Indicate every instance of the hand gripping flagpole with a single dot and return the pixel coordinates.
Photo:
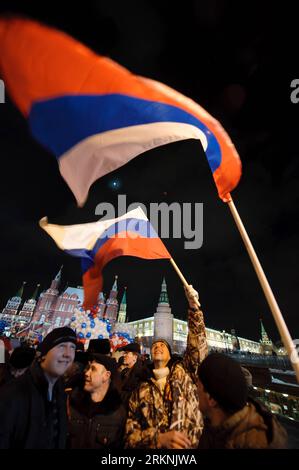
(183, 279)
(279, 320)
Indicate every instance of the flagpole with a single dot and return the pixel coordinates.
(181, 276)
(279, 320)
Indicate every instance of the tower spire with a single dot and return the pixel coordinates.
(123, 308)
(21, 290)
(114, 287)
(34, 295)
(124, 299)
(163, 295)
(265, 338)
(56, 281)
(58, 275)
(265, 341)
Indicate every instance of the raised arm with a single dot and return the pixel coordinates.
(197, 346)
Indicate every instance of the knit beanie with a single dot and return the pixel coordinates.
(55, 337)
(223, 378)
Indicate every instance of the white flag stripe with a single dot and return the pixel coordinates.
(102, 153)
(84, 236)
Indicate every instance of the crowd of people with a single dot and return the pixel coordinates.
(60, 396)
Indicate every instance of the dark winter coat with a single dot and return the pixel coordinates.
(253, 427)
(5, 375)
(131, 379)
(28, 420)
(96, 425)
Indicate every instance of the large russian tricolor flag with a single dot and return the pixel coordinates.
(97, 243)
(95, 115)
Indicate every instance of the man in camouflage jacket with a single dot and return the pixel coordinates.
(164, 410)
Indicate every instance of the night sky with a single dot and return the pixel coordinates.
(234, 60)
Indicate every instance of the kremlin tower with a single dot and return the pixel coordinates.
(101, 305)
(163, 318)
(266, 343)
(112, 304)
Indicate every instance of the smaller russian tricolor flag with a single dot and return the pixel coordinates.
(97, 243)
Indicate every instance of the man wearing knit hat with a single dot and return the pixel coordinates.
(33, 408)
(233, 420)
(161, 353)
(163, 411)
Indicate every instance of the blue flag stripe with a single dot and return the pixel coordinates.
(61, 123)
